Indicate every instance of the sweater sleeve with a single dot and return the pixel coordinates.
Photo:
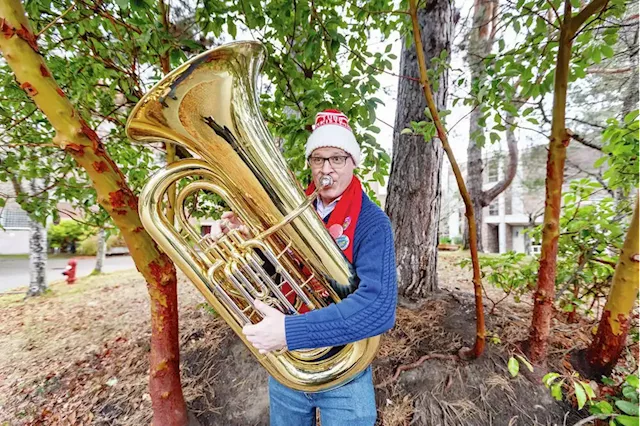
(367, 312)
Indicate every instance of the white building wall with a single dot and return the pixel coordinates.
(14, 233)
(14, 241)
(518, 239)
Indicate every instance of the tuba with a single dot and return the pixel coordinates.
(209, 105)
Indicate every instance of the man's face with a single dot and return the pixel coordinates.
(337, 164)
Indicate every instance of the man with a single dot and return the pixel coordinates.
(363, 232)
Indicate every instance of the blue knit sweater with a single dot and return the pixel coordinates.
(368, 311)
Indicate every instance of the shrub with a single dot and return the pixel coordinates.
(457, 240)
(66, 234)
(89, 247)
(445, 240)
(513, 273)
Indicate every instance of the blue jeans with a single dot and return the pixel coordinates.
(352, 404)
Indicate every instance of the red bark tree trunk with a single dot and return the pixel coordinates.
(536, 346)
(611, 336)
(18, 45)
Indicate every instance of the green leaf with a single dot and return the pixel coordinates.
(139, 5)
(123, 4)
(627, 407)
(3, 202)
(494, 137)
(628, 119)
(525, 362)
(607, 51)
(581, 396)
(601, 407)
(556, 390)
(231, 25)
(600, 161)
(630, 393)
(588, 389)
(513, 366)
(628, 420)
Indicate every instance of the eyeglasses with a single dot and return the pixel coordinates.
(336, 161)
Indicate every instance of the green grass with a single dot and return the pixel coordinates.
(26, 256)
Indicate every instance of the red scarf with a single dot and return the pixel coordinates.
(342, 220)
(341, 226)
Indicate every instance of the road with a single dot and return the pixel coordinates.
(14, 272)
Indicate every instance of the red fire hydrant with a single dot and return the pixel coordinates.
(70, 271)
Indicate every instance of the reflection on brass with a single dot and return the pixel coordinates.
(209, 105)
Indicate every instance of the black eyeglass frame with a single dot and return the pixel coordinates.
(324, 159)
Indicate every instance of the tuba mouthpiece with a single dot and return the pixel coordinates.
(326, 180)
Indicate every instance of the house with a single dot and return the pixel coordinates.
(521, 205)
(14, 223)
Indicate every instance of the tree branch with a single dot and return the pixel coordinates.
(585, 142)
(56, 19)
(499, 187)
(589, 10)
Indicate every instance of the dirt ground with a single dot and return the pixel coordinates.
(79, 356)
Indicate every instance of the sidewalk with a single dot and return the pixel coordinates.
(14, 271)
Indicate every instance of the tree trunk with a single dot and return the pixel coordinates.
(37, 254)
(611, 337)
(545, 290)
(413, 203)
(480, 42)
(102, 248)
(18, 45)
(630, 102)
(475, 178)
(536, 346)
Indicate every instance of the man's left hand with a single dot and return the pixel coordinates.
(269, 334)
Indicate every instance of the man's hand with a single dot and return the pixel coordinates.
(269, 334)
(230, 221)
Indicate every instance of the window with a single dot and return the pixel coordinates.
(492, 170)
(493, 208)
(14, 218)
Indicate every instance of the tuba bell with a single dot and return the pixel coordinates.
(209, 105)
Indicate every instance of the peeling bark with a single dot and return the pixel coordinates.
(74, 136)
(536, 346)
(611, 337)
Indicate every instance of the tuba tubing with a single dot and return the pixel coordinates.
(209, 106)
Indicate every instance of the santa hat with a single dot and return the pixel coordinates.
(332, 130)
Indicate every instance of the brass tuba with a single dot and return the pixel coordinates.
(209, 106)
